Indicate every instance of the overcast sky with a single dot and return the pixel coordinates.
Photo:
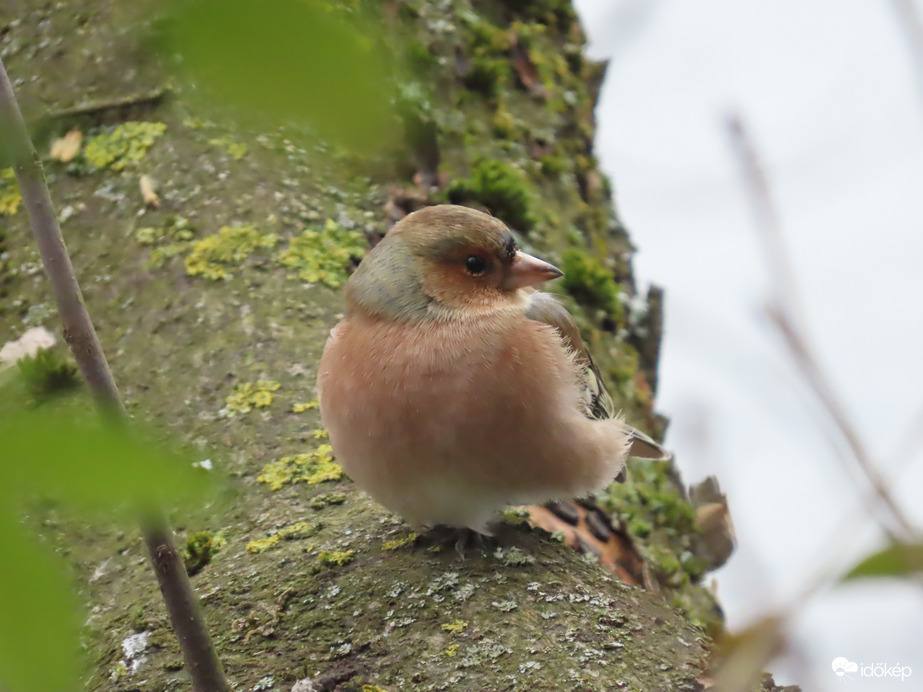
(828, 91)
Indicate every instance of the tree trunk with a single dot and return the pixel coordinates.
(314, 580)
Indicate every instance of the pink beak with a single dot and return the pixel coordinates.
(527, 270)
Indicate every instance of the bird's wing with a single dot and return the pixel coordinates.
(543, 307)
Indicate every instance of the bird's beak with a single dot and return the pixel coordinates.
(527, 270)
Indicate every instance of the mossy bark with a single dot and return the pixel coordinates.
(340, 595)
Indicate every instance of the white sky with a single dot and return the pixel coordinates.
(827, 89)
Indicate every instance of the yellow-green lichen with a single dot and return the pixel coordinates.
(236, 150)
(373, 688)
(455, 627)
(335, 558)
(321, 434)
(324, 256)
(10, 197)
(173, 238)
(410, 539)
(213, 255)
(292, 532)
(314, 467)
(327, 499)
(250, 395)
(451, 649)
(125, 145)
(301, 407)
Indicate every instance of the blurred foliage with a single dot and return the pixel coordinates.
(64, 452)
(38, 615)
(303, 61)
(896, 560)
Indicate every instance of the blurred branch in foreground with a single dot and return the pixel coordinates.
(744, 654)
(909, 19)
(199, 654)
(786, 314)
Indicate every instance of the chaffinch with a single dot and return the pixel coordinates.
(452, 388)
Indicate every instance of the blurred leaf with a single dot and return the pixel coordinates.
(741, 657)
(38, 617)
(897, 560)
(291, 60)
(90, 464)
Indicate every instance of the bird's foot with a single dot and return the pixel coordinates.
(464, 539)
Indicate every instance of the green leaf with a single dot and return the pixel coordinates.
(896, 560)
(301, 61)
(38, 617)
(91, 464)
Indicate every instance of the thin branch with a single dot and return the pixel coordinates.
(198, 653)
(767, 219)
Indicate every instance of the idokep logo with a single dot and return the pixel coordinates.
(844, 668)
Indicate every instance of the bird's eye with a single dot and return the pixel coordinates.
(475, 265)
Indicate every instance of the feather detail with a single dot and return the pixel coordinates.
(545, 308)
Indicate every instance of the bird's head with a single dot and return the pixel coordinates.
(445, 262)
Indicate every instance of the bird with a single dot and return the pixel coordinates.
(453, 388)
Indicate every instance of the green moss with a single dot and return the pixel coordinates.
(324, 256)
(517, 516)
(335, 558)
(639, 527)
(553, 165)
(200, 548)
(487, 75)
(47, 374)
(124, 145)
(250, 395)
(301, 407)
(500, 187)
(503, 123)
(10, 197)
(591, 284)
(213, 255)
(314, 467)
(293, 532)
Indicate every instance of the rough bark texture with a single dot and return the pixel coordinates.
(507, 105)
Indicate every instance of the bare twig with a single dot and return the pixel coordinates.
(198, 653)
(767, 218)
(95, 108)
(786, 315)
